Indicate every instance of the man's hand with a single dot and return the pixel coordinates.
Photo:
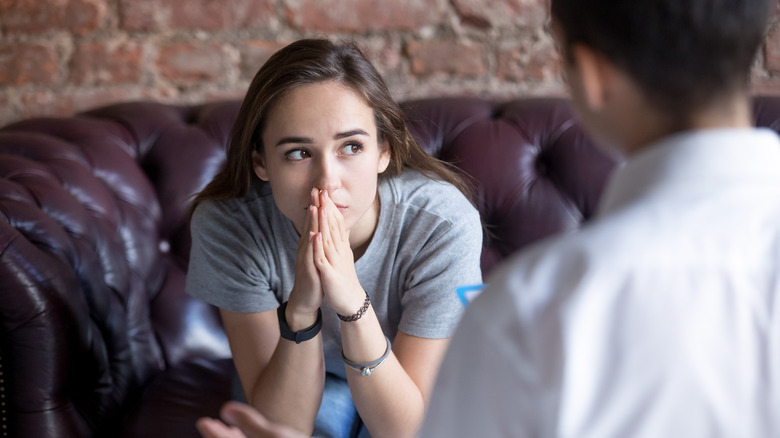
(243, 421)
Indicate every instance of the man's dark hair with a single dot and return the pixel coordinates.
(683, 54)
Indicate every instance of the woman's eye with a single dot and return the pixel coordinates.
(297, 154)
(353, 148)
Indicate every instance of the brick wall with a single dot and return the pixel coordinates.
(62, 56)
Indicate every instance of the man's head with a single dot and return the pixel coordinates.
(683, 55)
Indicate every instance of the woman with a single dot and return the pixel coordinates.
(332, 245)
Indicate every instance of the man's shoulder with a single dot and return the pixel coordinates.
(555, 269)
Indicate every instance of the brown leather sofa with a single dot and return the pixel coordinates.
(98, 336)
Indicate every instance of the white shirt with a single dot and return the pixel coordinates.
(661, 318)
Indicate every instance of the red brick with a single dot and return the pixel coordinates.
(84, 16)
(772, 50)
(359, 16)
(765, 86)
(161, 93)
(67, 102)
(527, 61)
(221, 14)
(447, 57)
(192, 62)
(231, 93)
(148, 15)
(254, 54)
(142, 15)
(501, 14)
(84, 100)
(32, 17)
(46, 103)
(383, 53)
(28, 64)
(106, 63)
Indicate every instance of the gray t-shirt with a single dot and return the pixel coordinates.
(428, 242)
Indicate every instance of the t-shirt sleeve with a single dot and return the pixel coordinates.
(228, 267)
(449, 258)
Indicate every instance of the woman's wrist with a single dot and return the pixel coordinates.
(299, 320)
(357, 314)
(302, 308)
(294, 333)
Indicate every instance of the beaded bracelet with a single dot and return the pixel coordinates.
(357, 315)
(366, 368)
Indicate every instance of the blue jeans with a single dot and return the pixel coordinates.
(337, 417)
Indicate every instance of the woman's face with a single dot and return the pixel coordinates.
(324, 136)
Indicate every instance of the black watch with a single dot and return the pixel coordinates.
(299, 336)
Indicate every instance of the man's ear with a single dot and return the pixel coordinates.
(258, 163)
(384, 157)
(595, 75)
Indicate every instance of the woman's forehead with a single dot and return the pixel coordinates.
(324, 108)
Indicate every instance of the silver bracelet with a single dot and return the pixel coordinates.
(366, 368)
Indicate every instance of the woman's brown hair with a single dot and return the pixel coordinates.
(310, 61)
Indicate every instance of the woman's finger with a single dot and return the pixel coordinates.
(339, 229)
(325, 227)
(315, 197)
(335, 222)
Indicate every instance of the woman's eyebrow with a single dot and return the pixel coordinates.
(350, 134)
(285, 140)
(307, 140)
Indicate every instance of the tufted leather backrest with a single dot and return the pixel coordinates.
(93, 252)
(534, 171)
(94, 243)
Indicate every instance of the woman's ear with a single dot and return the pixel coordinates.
(258, 163)
(384, 157)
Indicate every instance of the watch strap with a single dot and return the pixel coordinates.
(301, 335)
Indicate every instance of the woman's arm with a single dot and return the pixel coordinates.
(391, 400)
(282, 379)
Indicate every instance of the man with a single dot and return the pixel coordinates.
(660, 318)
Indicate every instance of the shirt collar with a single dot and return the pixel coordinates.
(709, 157)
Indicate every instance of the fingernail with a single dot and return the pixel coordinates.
(311, 234)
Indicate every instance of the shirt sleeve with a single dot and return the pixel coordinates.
(227, 266)
(485, 386)
(448, 259)
(501, 376)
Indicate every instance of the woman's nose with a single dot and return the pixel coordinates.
(328, 177)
